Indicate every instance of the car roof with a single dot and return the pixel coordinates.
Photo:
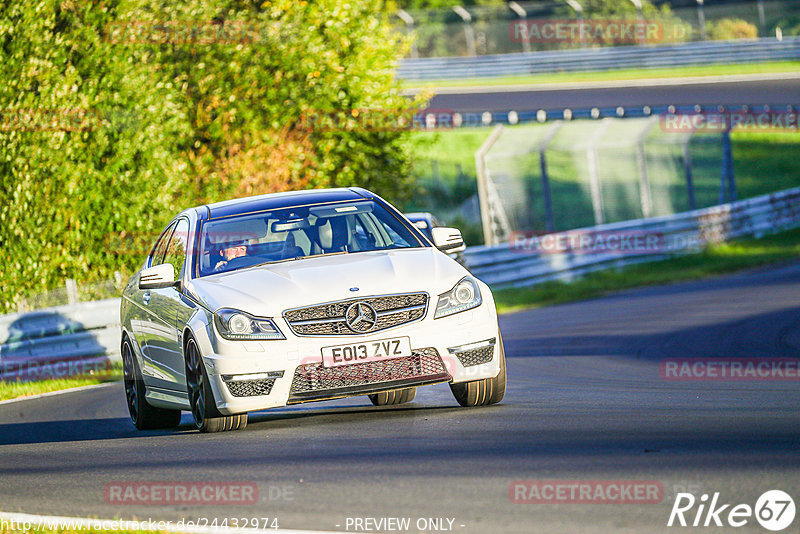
(282, 200)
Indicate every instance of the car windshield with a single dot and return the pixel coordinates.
(292, 233)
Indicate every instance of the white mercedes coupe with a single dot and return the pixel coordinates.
(303, 296)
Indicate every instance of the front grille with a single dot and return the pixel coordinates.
(250, 388)
(314, 380)
(476, 356)
(330, 319)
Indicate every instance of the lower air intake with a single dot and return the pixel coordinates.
(476, 356)
(313, 381)
(250, 388)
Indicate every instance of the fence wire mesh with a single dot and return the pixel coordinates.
(562, 175)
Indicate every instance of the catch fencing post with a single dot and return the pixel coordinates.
(489, 237)
(72, 291)
(469, 33)
(701, 18)
(728, 179)
(645, 195)
(523, 15)
(548, 200)
(594, 171)
(687, 169)
(409, 21)
(575, 5)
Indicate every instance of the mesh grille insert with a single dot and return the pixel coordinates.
(314, 378)
(476, 356)
(250, 388)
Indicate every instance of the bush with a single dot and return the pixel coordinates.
(116, 114)
(727, 29)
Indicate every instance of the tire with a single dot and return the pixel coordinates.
(485, 391)
(396, 396)
(143, 415)
(201, 398)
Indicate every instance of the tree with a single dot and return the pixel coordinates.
(119, 113)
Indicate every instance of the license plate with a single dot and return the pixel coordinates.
(369, 351)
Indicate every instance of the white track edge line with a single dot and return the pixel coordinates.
(58, 392)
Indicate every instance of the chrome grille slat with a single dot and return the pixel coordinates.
(328, 319)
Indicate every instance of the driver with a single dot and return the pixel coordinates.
(231, 251)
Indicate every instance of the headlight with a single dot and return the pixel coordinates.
(464, 296)
(237, 325)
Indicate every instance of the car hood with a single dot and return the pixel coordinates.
(268, 290)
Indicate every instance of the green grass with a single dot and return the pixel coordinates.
(773, 67)
(450, 148)
(715, 260)
(19, 389)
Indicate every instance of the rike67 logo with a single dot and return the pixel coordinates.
(774, 510)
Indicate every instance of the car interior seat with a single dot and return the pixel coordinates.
(333, 234)
(290, 248)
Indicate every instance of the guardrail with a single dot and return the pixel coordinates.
(594, 59)
(515, 264)
(73, 339)
(85, 337)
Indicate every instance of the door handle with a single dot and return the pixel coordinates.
(146, 297)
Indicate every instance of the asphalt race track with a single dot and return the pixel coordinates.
(585, 401)
(661, 93)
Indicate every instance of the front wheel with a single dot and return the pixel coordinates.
(486, 390)
(206, 416)
(396, 396)
(143, 415)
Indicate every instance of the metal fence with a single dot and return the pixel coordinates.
(598, 59)
(568, 174)
(553, 170)
(521, 263)
(523, 26)
(71, 293)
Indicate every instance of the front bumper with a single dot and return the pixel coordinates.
(458, 348)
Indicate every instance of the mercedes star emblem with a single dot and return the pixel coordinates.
(361, 317)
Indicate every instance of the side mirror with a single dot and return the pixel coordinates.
(448, 240)
(157, 277)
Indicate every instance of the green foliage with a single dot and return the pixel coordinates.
(726, 29)
(440, 4)
(116, 114)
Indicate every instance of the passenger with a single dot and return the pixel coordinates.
(230, 252)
